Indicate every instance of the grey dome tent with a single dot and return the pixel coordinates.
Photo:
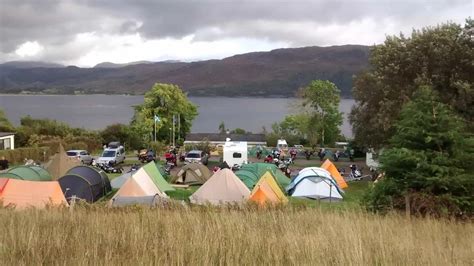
(85, 183)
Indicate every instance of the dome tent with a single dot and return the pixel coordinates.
(30, 172)
(315, 183)
(193, 173)
(258, 170)
(85, 183)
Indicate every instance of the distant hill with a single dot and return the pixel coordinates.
(276, 73)
(113, 65)
(30, 64)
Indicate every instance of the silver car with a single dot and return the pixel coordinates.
(82, 155)
(112, 156)
(196, 156)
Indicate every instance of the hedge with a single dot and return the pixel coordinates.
(17, 156)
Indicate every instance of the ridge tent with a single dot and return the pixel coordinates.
(269, 185)
(138, 185)
(223, 187)
(10, 175)
(259, 170)
(23, 193)
(328, 165)
(120, 180)
(30, 172)
(314, 185)
(156, 177)
(85, 183)
(143, 200)
(193, 173)
(60, 163)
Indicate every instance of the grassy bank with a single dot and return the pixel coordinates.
(200, 236)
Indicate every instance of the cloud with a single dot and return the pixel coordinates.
(77, 31)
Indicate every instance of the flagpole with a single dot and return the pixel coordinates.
(154, 120)
(174, 122)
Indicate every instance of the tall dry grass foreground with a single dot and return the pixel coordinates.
(202, 236)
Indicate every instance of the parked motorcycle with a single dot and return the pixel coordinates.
(146, 156)
(293, 153)
(170, 157)
(268, 159)
(355, 173)
(110, 169)
(134, 168)
(259, 155)
(308, 154)
(168, 166)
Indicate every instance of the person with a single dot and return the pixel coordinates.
(336, 156)
(321, 154)
(351, 155)
(3, 163)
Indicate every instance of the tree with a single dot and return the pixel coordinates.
(222, 129)
(165, 101)
(123, 133)
(323, 117)
(428, 167)
(440, 57)
(5, 124)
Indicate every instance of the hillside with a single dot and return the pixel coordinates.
(276, 73)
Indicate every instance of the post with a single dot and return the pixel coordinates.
(179, 126)
(330, 192)
(174, 122)
(154, 121)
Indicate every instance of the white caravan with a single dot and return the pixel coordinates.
(235, 153)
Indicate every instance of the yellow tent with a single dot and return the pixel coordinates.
(267, 190)
(331, 168)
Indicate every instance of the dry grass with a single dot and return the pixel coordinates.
(204, 236)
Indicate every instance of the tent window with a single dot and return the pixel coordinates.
(237, 155)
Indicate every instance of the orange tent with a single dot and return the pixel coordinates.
(331, 168)
(23, 194)
(263, 194)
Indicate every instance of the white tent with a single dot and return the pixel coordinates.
(120, 180)
(315, 183)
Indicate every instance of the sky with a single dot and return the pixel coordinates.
(88, 32)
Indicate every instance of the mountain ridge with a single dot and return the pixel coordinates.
(280, 72)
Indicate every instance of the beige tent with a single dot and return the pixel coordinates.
(223, 187)
(193, 173)
(60, 163)
(138, 185)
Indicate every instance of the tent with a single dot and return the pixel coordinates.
(267, 190)
(157, 178)
(315, 184)
(23, 193)
(120, 180)
(193, 173)
(144, 200)
(60, 163)
(30, 172)
(328, 165)
(85, 183)
(139, 184)
(223, 187)
(258, 170)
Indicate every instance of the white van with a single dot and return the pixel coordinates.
(282, 145)
(235, 153)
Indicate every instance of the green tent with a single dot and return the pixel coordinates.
(158, 179)
(31, 173)
(163, 173)
(249, 178)
(259, 169)
(253, 151)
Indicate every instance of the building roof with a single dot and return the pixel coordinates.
(222, 137)
(5, 134)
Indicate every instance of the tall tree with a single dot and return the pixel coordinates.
(440, 57)
(324, 117)
(428, 167)
(164, 101)
(5, 124)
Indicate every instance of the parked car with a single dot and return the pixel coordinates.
(196, 156)
(112, 156)
(82, 155)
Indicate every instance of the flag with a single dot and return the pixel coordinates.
(157, 119)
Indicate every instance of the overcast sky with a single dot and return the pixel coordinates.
(87, 32)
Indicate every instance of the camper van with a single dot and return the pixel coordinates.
(235, 153)
(282, 145)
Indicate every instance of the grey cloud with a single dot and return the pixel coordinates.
(55, 22)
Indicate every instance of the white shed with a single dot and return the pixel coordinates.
(235, 152)
(7, 141)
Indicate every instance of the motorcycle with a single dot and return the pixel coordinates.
(293, 154)
(268, 159)
(134, 168)
(259, 155)
(308, 154)
(283, 165)
(171, 158)
(146, 156)
(168, 166)
(109, 169)
(355, 173)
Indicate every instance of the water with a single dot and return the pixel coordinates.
(98, 111)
